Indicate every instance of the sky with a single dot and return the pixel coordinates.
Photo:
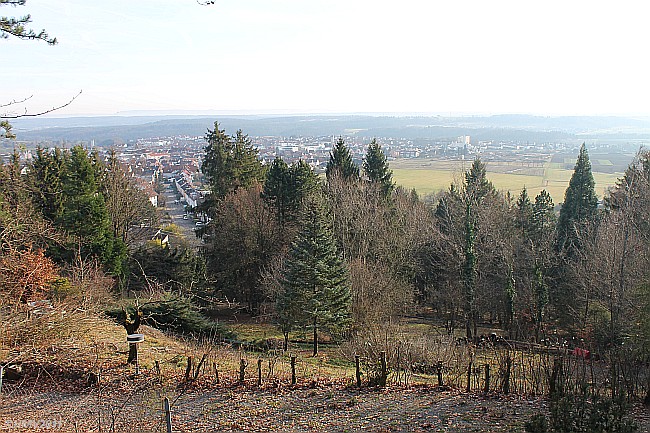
(331, 56)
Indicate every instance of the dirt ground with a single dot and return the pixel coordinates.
(323, 408)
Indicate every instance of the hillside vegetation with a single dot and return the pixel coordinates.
(334, 289)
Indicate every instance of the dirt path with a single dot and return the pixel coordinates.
(289, 410)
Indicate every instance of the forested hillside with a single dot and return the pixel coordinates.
(345, 260)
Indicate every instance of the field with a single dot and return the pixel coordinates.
(429, 176)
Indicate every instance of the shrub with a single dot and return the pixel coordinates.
(583, 412)
(177, 314)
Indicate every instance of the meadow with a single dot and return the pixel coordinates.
(430, 176)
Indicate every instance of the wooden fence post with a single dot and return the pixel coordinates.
(506, 376)
(384, 371)
(188, 369)
(242, 369)
(168, 415)
(259, 372)
(357, 363)
(487, 378)
(216, 372)
(293, 369)
(439, 371)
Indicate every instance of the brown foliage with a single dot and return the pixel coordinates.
(25, 275)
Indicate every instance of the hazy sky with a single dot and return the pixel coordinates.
(452, 56)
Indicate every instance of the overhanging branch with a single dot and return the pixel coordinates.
(40, 113)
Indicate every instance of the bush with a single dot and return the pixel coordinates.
(583, 412)
(177, 314)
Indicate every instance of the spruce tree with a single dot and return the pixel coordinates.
(375, 167)
(543, 217)
(580, 203)
(276, 187)
(341, 163)
(286, 187)
(315, 283)
(477, 185)
(230, 162)
(524, 212)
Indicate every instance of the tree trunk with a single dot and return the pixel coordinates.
(286, 342)
(315, 337)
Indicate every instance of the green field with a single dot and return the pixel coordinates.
(431, 176)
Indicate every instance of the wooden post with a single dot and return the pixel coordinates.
(293, 369)
(469, 376)
(439, 371)
(259, 372)
(216, 372)
(158, 372)
(506, 377)
(198, 367)
(384, 371)
(168, 415)
(188, 369)
(357, 363)
(487, 378)
(136, 360)
(242, 368)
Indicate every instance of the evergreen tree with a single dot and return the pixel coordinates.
(315, 282)
(477, 185)
(286, 187)
(469, 274)
(276, 187)
(543, 217)
(230, 162)
(84, 213)
(541, 299)
(375, 167)
(47, 177)
(524, 212)
(341, 163)
(580, 202)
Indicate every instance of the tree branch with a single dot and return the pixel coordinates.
(40, 113)
(15, 102)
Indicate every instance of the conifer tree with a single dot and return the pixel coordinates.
(276, 186)
(543, 218)
(230, 162)
(524, 212)
(315, 283)
(47, 176)
(580, 202)
(341, 163)
(286, 187)
(375, 167)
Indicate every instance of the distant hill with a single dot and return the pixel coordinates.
(502, 127)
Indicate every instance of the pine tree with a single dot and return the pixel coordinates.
(341, 163)
(524, 212)
(477, 186)
(543, 218)
(276, 187)
(470, 274)
(286, 187)
(541, 299)
(375, 167)
(315, 282)
(47, 176)
(580, 203)
(84, 213)
(230, 162)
